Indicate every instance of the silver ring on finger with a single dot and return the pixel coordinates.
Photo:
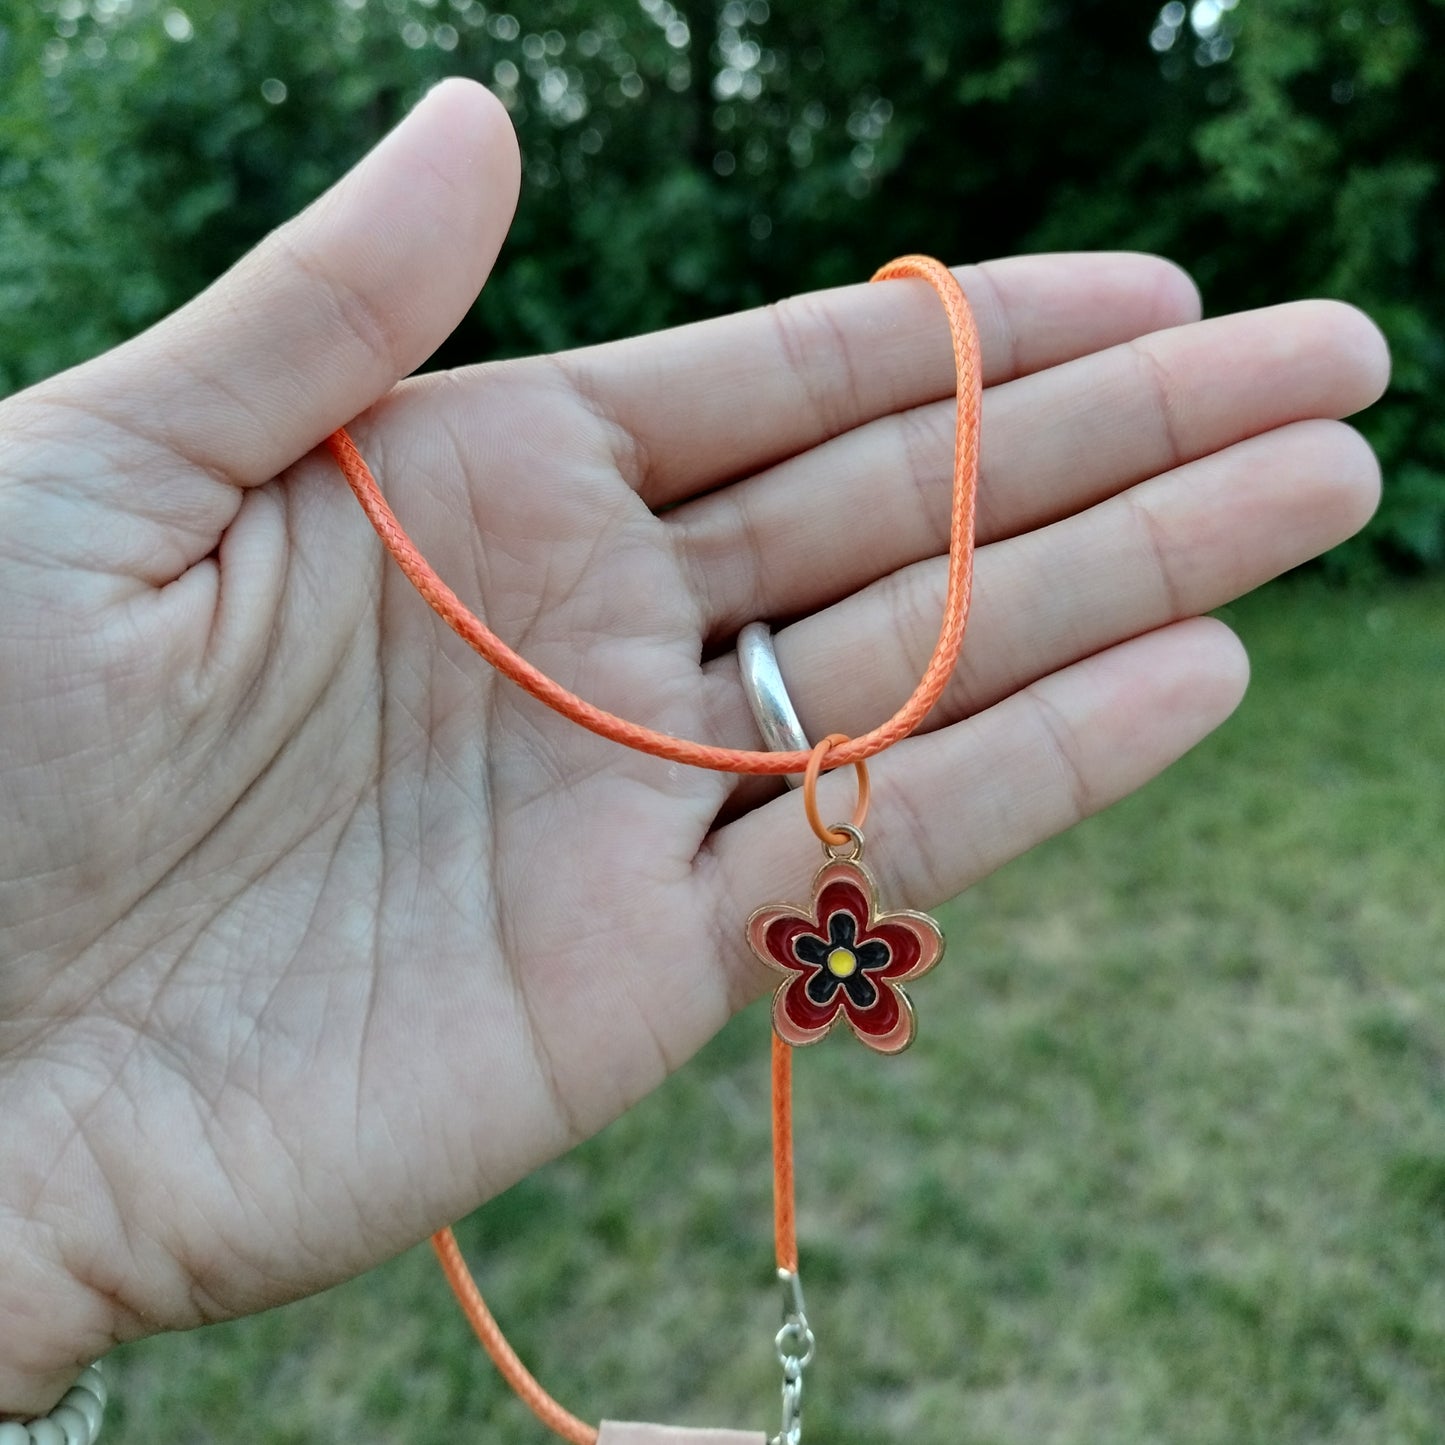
(767, 695)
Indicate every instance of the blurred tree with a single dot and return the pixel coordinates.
(687, 158)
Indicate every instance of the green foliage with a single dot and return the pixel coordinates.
(688, 158)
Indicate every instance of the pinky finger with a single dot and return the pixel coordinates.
(950, 808)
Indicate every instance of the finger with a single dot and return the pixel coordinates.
(1169, 549)
(707, 403)
(1056, 441)
(324, 316)
(951, 808)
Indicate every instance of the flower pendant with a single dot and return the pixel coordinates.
(844, 958)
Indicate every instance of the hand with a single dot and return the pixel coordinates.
(314, 932)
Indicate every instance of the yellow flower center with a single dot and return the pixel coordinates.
(842, 962)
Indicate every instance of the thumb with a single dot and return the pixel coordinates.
(316, 323)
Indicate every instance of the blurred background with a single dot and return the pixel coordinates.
(1168, 1165)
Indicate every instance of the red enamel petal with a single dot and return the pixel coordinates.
(780, 939)
(843, 893)
(771, 932)
(915, 946)
(797, 1018)
(882, 1018)
(896, 1039)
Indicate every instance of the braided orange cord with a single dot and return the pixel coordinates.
(472, 630)
(785, 1216)
(450, 608)
(513, 1371)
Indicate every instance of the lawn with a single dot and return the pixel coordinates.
(1166, 1165)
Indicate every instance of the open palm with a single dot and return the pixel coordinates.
(313, 931)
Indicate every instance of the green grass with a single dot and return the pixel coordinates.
(1167, 1164)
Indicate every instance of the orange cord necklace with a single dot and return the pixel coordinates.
(842, 958)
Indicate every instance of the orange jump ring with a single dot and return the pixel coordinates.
(810, 791)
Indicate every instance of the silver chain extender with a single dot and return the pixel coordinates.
(796, 1346)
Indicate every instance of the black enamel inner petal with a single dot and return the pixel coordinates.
(821, 987)
(809, 948)
(842, 929)
(861, 989)
(873, 954)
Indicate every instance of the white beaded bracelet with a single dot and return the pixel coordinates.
(74, 1421)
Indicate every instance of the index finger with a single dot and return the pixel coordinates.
(707, 403)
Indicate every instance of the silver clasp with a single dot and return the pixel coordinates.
(796, 1346)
